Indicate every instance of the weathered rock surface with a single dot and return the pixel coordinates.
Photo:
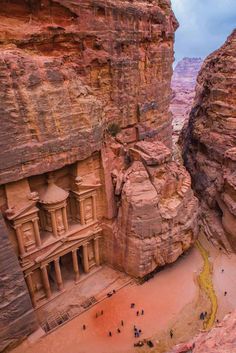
(183, 91)
(210, 147)
(17, 318)
(69, 68)
(157, 211)
(221, 339)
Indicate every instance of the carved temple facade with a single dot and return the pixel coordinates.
(53, 221)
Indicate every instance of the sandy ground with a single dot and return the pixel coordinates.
(162, 298)
(171, 300)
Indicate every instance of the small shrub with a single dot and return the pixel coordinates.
(113, 129)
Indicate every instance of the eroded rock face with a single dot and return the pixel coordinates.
(157, 212)
(183, 91)
(68, 69)
(211, 140)
(17, 318)
(221, 339)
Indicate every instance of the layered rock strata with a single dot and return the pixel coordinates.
(221, 339)
(210, 146)
(74, 74)
(183, 91)
(17, 318)
(157, 212)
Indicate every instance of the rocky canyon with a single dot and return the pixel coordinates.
(183, 92)
(92, 199)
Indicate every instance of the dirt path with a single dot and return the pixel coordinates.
(206, 284)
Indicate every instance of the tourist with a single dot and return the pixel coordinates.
(96, 315)
(205, 314)
(137, 313)
(202, 316)
(225, 293)
(114, 291)
(122, 323)
(132, 305)
(110, 334)
(150, 344)
(222, 270)
(101, 312)
(171, 333)
(142, 312)
(140, 331)
(118, 330)
(84, 327)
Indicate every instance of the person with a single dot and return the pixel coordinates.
(171, 333)
(150, 344)
(118, 330)
(222, 270)
(122, 323)
(84, 327)
(225, 293)
(110, 334)
(140, 331)
(202, 316)
(96, 315)
(132, 305)
(142, 312)
(205, 314)
(101, 312)
(137, 313)
(114, 291)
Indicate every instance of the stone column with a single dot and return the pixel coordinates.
(96, 251)
(46, 283)
(94, 208)
(30, 285)
(58, 274)
(20, 240)
(81, 210)
(64, 215)
(36, 232)
(75, 265)
(54, 223)
(85, 258)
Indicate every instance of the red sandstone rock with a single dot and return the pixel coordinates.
(183, 91)
(157, 212)
(221, 339)
(211, 140)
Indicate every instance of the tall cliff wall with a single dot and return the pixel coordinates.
(17, 318)
(85, 91)
(183, 91)
(69, 68)
(210, 147)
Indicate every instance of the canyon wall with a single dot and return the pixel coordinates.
(221, 339)
(85, 93)
(183, 91)
(17, 318)
(210, 144)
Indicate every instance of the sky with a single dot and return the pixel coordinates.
(204, 26)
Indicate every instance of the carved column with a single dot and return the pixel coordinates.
(64, 215)
(58, 274)
(20, 240)
(85, 258)
(54, 223)
(30, 285)
(46, 283)
(94, 208)
(96, 251)
(75, 265)
(36, 232)
(81, 209)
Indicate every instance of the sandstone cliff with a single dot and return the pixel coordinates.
(17, 318)
(210, 147)
(85, 92)
(221, 339)
(183, 91)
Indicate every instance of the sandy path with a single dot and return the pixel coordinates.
(162, 298)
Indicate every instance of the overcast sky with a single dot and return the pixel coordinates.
(204, 25)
